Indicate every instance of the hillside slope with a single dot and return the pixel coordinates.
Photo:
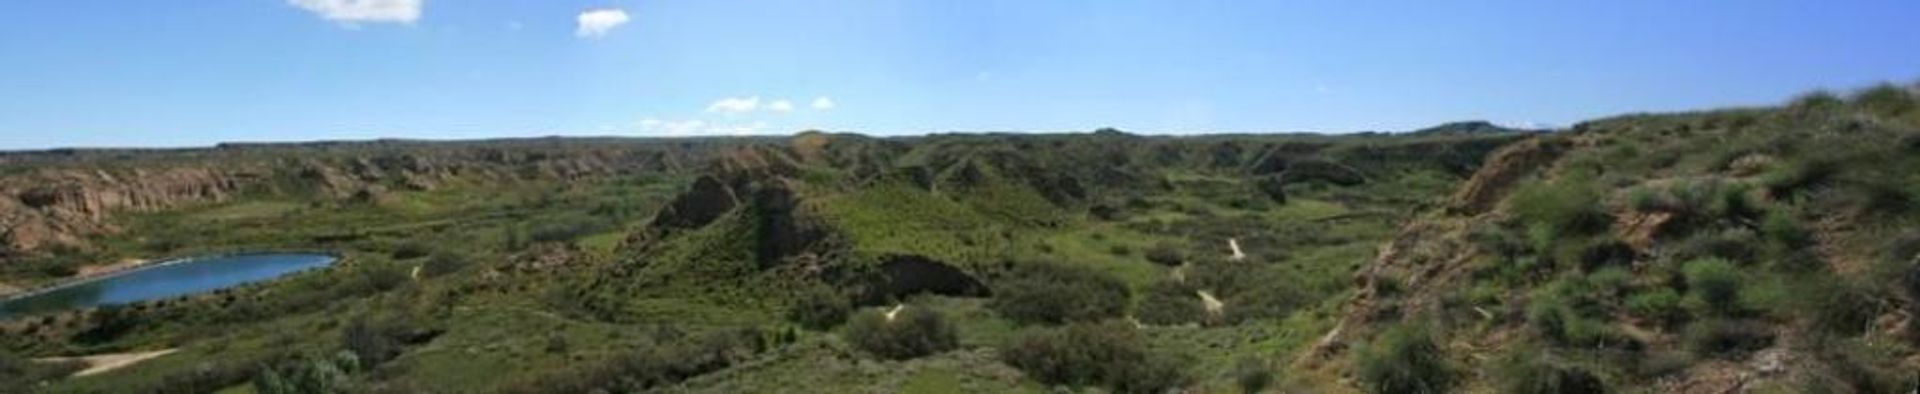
(1767, 249)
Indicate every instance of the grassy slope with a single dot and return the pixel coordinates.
(499, 319)
(1804, 202)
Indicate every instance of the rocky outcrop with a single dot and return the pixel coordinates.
(783, 231)
(59, 207)
(62, 198)
(1506, 168)
(705, 201)
(754, 185)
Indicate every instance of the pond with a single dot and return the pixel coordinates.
(163, 280)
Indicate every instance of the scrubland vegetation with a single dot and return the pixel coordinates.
(1765, 248)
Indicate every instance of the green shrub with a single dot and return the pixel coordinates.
(108, 323)
(1886, 100)
(1166, 254)
(1252, 290)
(1854, 366)
(1561, 208)
(1819, 101)
(558, 344)
(672, 360)
(1829, 304)
(1057, 293)
(1716, 283)
(819, 308)
(444, 263)
(308, 375)
(1252, 374)
(1405, 359)
(411, 250)
(1610, 281)
(1660, 305)
(1111, 355)
(1273, 301)
(1780, 227)
(1736, 244)
(1561, 319)
(1798, 178)
(913, 332)
(19, 372)
(375, 341)
(1531, 370)
(1720, 337)
(1169, 302)
(1646, 199)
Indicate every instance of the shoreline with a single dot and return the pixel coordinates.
(129, 266)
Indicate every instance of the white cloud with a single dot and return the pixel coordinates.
(781, 106)
(596, 23)
(352, 12)
(735, 105)
(823, 103)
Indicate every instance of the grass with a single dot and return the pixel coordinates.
(500, 317)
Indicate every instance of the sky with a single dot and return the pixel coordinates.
(138, 73)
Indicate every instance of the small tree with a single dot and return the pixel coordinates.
(1112, 355)
(444, 263)
(1169, 302)
(308, 375)
(1404, 360)
(1715, 282)
(1166, 254)
(912, 332)
(1054, 293)
(370, 344)
(1532, 370)
(1252, 374)
(819, 308)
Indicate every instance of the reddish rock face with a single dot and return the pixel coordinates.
(58, 206)
(1504, 169)
(59, 198)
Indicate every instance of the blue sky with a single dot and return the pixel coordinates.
(184, 73)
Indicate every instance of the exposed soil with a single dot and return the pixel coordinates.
(101, 363)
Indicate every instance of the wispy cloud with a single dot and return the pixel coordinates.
(654, 126)
(353, 12)
(734, 105)
(823, 103)
(781, 106)
(596, 23)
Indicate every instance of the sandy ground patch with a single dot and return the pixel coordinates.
(101, 363)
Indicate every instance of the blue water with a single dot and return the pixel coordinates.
(181, 278)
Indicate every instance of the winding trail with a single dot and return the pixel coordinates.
(101, 363)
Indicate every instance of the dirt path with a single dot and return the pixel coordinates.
(101, 363)
(93, 270)
(1234, 243)
(1214, 306)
